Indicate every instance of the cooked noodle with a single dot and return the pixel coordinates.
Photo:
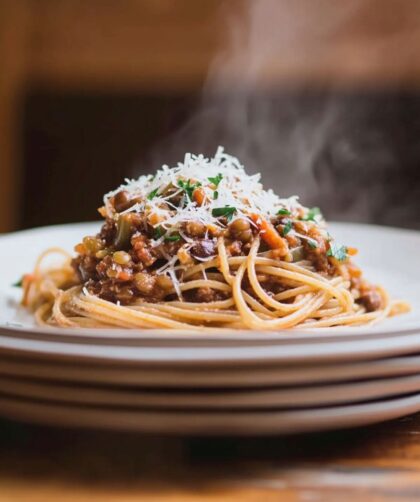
(313, 303)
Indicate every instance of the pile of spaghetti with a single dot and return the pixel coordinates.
(203, 244)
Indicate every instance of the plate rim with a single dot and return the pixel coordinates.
(216, 423)
(290, 397)
(363, 349)
(255, 376)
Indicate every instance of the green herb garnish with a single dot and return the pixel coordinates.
(18, 284)
(159, 232)
(173, 237)
(215, 195)
(216, 179)
(153, 194)
(226, 211)
(287, 227)
(188, 187)
(312, 214)
(284, 212)
(338, 252)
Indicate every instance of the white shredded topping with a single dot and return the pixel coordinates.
(175, 282)
(236, 189)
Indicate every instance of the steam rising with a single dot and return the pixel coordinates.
(327, 146)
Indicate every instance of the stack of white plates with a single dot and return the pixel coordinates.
(234, 383)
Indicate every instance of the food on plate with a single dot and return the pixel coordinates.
(204, 244)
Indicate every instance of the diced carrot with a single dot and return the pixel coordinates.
(354, 270)
(80, 249)
(199, 196)
(352, 251)
(270, 235)
(154, 218)
(124, 276)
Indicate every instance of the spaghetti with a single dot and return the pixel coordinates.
(203, 244)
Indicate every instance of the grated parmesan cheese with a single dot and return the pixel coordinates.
(236, 189)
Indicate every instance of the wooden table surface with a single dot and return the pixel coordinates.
(377, 463)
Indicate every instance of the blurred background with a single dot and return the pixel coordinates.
(322, 97)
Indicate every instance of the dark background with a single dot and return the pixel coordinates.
(367, 168)
(322, 97)
(78, 147)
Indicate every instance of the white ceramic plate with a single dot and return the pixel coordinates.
(239, 423)
(290, 397)
(160, 353)
(197, 376)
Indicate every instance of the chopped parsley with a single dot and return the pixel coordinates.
(287, 227)
(216, 179)
(226, 211)
(215, 195)
(153, 194)
(312, 214)
(284, 212)
(338, 252)
(159, 232)
(188, 187)
(173, 237)
(19, 283)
